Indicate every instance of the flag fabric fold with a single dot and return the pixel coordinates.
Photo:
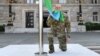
(48, 4)
(62, 17)
(56, 14)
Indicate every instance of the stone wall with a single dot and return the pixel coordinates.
(72, 10)
(20, 15)
(4, 13)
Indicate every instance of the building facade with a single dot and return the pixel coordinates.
(24, 14)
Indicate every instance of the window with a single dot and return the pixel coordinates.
(30, 19)
(94, 1)
(62, 1)
(30, 1)
(95, 16)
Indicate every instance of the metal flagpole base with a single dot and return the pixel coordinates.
(42, 54)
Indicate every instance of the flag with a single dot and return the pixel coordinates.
(48, 4)
(61, 17)
(56, 14)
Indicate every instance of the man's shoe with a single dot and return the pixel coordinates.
(63, 50)
(51, 51)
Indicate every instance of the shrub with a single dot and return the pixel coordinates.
(80, 23)
(92, 26)
(2, 28)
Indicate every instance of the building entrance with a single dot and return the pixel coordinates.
(45, 16)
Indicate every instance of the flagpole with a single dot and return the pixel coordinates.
(41, 26)
(41, 52)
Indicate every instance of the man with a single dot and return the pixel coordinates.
(58, 30)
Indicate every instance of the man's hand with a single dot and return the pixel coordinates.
(68, 36)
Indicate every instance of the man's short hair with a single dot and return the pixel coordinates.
(57, 6)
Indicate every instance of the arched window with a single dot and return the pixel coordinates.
(95, 16)
(94, 1)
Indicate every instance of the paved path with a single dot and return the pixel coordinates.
(86, 39)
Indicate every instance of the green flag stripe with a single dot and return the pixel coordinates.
(48, 4)
(62, 17)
